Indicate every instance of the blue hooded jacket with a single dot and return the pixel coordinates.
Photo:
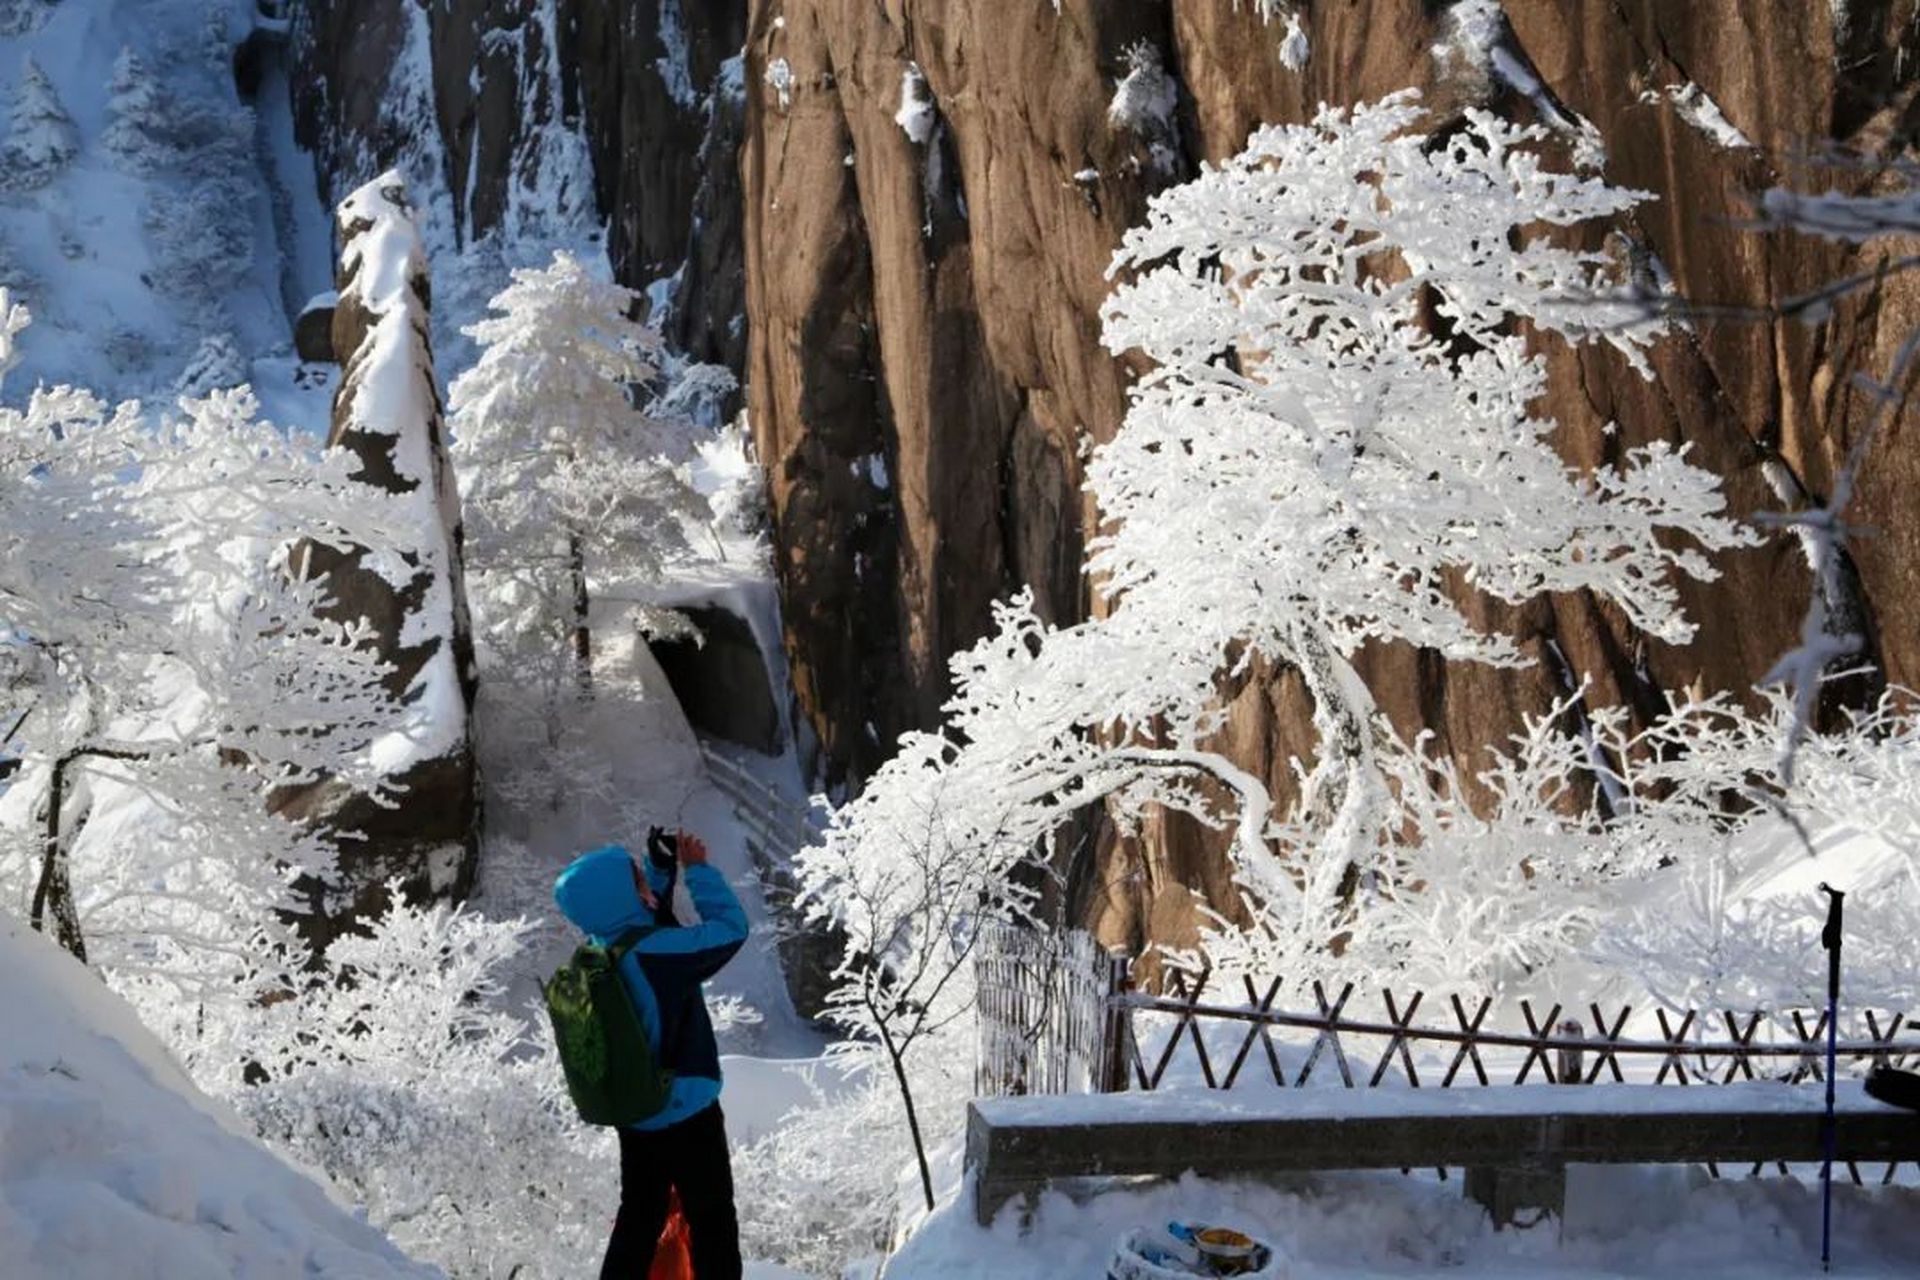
(663, 972)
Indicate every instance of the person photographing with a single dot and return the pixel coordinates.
(650, 1067)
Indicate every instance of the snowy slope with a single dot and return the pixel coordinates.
(112, 1164)
(132, 266)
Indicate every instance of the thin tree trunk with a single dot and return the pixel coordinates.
(913, 1120)
(582, 633)
(54, 892)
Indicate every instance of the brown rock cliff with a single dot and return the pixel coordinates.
(963, 346)
(921, 335)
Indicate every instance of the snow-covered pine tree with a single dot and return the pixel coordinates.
(570, 491)
(18, 17)
(216, 365)
(41, 139)
(133, 105)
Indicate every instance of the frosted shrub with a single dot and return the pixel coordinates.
(812, 1200)
(395, 1072)
(169, 671)
(1738, 924)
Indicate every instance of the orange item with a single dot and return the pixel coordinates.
(673, 1256)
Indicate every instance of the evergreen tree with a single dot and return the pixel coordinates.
(41, 139)
(133, 105)
(565, 483)
(18, 17)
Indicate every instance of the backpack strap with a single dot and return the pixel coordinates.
(629, 940)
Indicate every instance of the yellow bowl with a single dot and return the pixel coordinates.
(1224, 1242)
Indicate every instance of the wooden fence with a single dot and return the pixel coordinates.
(1046, 1025)
(1563, 1043)
(1057, 1016)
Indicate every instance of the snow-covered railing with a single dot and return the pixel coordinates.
(1057, 1017)
(777, 827)
(1563, 1051)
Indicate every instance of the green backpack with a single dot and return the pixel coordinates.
(611, 1070)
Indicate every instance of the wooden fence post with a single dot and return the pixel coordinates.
(1117, 1024)
(1571, 1064)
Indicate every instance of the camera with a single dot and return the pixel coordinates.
(663, 849)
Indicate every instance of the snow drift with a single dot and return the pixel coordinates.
(112, 1164)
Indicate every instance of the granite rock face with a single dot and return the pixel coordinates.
(912, 299)
(481, 101)
(935, 305)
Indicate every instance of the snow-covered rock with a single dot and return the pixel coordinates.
(388, 414)
(917, 114)
(313, 329)
(113, 1164)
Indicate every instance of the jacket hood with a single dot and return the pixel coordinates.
(596, 892)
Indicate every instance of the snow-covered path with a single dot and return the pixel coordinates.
(658, 778)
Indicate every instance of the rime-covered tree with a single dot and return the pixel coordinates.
(1312, 464)
(165, 672)
(41, 139)
(569, 490)
(1336, 437)
(133, 106)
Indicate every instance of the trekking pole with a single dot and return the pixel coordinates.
(1830, 939)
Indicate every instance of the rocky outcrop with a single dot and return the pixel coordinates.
(932, 305)
(921, 290)
(719, 677)
(413, 601)
(924, 348)
(483, 103)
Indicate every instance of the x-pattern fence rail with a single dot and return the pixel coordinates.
(1041, 1000)
(1562, 1050)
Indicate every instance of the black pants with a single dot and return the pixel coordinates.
(691, 1156)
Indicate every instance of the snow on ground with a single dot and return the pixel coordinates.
(1626, 1222)
(296, 396)
(658, 779)
(113, 1165)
